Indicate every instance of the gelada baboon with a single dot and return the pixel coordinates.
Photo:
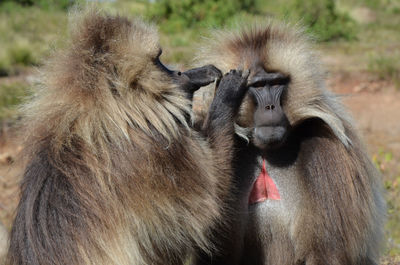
(306, 191)
(115, 174)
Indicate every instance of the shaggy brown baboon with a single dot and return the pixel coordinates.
(306, 191)
(115, 174)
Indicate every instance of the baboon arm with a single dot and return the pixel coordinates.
(219, 124)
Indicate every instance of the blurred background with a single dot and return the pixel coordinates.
(358, 41)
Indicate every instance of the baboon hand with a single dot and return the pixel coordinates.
(233, 87)
(202, 76)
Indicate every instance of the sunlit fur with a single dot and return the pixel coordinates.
(279, 47)
(341, 218)
(114, 173)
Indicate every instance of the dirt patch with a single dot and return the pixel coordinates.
(375, 106)
(9, 176)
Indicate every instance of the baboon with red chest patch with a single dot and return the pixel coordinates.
(305, 190)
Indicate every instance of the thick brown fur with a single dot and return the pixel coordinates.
(336, 209)
(114, 174)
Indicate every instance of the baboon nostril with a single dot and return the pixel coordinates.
(270, 107)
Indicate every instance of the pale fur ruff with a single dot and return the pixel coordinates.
(85, 75)
(286, 49)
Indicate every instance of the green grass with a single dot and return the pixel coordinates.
(28, 35)
(385, 67)
(387, 163)
(377, 48)
(11, 95)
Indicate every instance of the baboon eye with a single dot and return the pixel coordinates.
(258, 84)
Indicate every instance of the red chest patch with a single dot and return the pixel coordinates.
(264, 188)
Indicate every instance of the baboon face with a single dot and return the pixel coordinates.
(270, 124)
(130, 53)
